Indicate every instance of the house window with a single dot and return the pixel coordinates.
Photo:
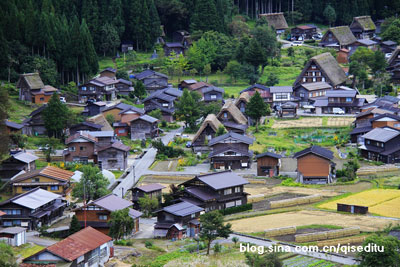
(313, 73)
(238, 202)
(82, 148)
(71, 148)
(310, 95)
(121, 131)
(54, 188)
(13, 212)
(83, 88)
(237, 189)
(228, 191)
(397, 125)
(35, 180)
(17, 222)
(42, 99)
(304, 80)
(213, 96)
(225, 115)
(368, 142)
(165, 104)
(230, 204)
(91, 88)
(313, 67)
(7, 223)
(314, 79)
(103, 217)
(348, 99)
(193, 215)
(26, 188)
(302, 95)
(323, 79)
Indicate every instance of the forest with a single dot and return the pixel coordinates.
(64, 38)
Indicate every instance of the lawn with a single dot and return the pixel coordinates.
(19, 110)
(27, 250)
(117, 173)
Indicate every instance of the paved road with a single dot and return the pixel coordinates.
(39, 240)
(141, 166)
(329, 257)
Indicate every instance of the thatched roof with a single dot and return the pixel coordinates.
(364, 22)
(211, 121)
(237, 115)
(33, 80)
(328, 66)
(276, 20)
(245, 96)
(101, 120)
(394, 56)
(343, 34)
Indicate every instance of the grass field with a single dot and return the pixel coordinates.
(19, 109)
(369, 198)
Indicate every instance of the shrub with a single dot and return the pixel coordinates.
(290, 182)
(237, 209)
(217, 248)
(163, 123)
(148, 244)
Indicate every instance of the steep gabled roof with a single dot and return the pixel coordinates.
(236, 114)
(109, 69)
(211, 121)
(365, 22)
(386, 115)
(147, 73)
(317, 150)
(255, 86)
(198, 85)
(134, 109)
(329, 66)
(245, 96)
(276, 20)
(343, 34)
(212, 89)
(238, 137)
(88, 124)
(147, 118)
(33, 80)
(100, 119)
(117, 145)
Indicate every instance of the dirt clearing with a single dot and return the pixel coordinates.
(256, 190)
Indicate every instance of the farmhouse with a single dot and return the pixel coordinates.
(230, 151)
(98, 89)
(81, 148)
(88, 247)
(268, 164)
(32, 89)
(93, 108)
(152, 80)
(303, 32)
(131, 113)
(281, 94)
(315, 165)
(263, 90)
(321, 68)
(97, 213)
(232, 118)
(207, 131)
(363, 27)
(34, 124)
(13, 127)
(212, 93)
(186, 83)
(346, 100)
(277, 21)
(121, 109)
(338, 38)
(387, 119)
(144, 127)
(309, 92)
(216, 191)
(17, 163)
(49, 178)
(113, 156)
(32, 209)
(178, 220)
(394, 66)
(163, 100)
(381, 144)
(153, 191)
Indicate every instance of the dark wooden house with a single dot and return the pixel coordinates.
(394, 66)
(303, 32)
(213, 93)
(108, 72)
(315, 165)
(32, 89)
(16, 163)
(363, 27)
(152, 80)
(97, 213)
(338, 38)
(81, 148)
(34, 124)
(153, 191)
(231, 117)
(207, 131)
(382, 144)
(215, 191)
(263, 90)
(84, 126)
(113, 156)
(93, 108)
(309, 92)
(144, 127)
(124, 87)
(33, 209)
(163, 100)
(388, 46)
(230, 151)
(268, 164)
(345, 100)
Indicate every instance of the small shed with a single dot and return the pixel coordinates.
(342, 56)
(14, 236)
(268, 164)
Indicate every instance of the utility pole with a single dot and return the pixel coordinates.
(84, 201)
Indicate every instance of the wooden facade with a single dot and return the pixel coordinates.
(268, 164)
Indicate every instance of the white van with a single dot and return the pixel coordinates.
(338, 111)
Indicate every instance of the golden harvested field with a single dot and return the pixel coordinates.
(389, 208)
(301, 123)
(307, 217)
(367, 198)
(253, 190)
(339, 122)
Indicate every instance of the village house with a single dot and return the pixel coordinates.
(382, 144)
(32, 209)
(113, 156)
(393, 66)
(178, 221)
(32, 89)
(177, 48)
(49, 178)
(17, 163)
(309, 92)
(389, 103)
(13, 236)
(103, 138)
(163, 100)
(144, 127)
(98, 89)
(388, 46)
(152, 80)
(263, 90)
(367, 43)
(315, 165)
(212, 93)
(120, 109)
(230, 151)
(338, 38)
(124, 87)
(108, 72)
(303, 32)
(345, 100)
(206, 132)
(181, 41)
(84, 126)
(231, 117)
(80, 148)
(242, 100)
(268, 164)
(13, 127)
(153, 191)
(363, 27)
(277, 21)
(93, 108)
(88, 247)
(387, 119)
(34, 124)
(186, 83)
(342, 56)
(281, 94)
(181, 36)
(287, 110)
(215, 191)
(321, 68)
(131, 113)
(97, 213)
(198, 86)
(101, 120)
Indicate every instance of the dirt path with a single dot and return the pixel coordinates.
(306, 217)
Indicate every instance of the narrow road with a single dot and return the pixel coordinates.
(40, 241)
(141, 166)
(346, 260)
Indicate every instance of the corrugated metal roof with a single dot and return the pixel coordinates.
(150, 187)
(35, 198)
(281, 89)
(221, 180)
(182, 209)
(48, 171)
(112, 202)
(25, 157)
(381, 134)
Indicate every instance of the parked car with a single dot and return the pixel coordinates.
(388, 55)
(178, 134)
(338, 111)
(188, 144)
(62, 99)
(297, 43)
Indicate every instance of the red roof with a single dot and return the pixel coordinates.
(263, 93)
(79, 243)
(304, 27)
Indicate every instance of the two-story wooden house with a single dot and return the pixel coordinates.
(163, 100)
(315, 165)
(130, 114)
(394, 66)
(34, 124)
(97, 213)
(382, 144)
(32, 209)
(231, 117)
(17, 163)
(113, 156)
(206, 132)
(212, 93)
(230, 151)
(94, 108)
(152, 80)
(387, 119)
(321, 68)
(363, 27)
(153, 191)
(102, 88)
(215, 191)
(32, 89)
(303, 32)
(49, 178)
(309, 92)
(268, 164)
(144, 127)
(124, 87)
(345, 100)
(338, 38)
(178, 220)
(88, 247)
(263, 90)
(281, 94)
(117, 111)
(80, 148)
(198, 86)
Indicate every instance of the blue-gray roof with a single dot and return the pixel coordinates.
(147, 73)
(238, 137)
(182, 209)
(268, 154)
(221, 180)
(317, 150)
(212, 89)
(259, 86)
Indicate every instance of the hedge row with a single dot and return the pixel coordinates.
(237, 209)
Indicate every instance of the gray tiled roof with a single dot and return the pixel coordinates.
(238, 137)
(281, 89)
(212, 89)
(323, 152)
(381, 134)
(148, 73)
(268, 154)
(112, 202)
(221, 180)
(182, 209)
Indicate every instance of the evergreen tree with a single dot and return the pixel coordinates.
(110, 40)
(187, 109)
(121, 224)
(55, 116)
(145, 37)
(7, 257)
(205, 17)
(147, 205)
(139, 90)
(256, 108)
(213, 226)
(155, 25)
(4, 107)
(74, 226)
(89, 51)
(388, 255)
(255, 54)
(330, 14)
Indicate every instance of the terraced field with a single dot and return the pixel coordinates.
(303, 261)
